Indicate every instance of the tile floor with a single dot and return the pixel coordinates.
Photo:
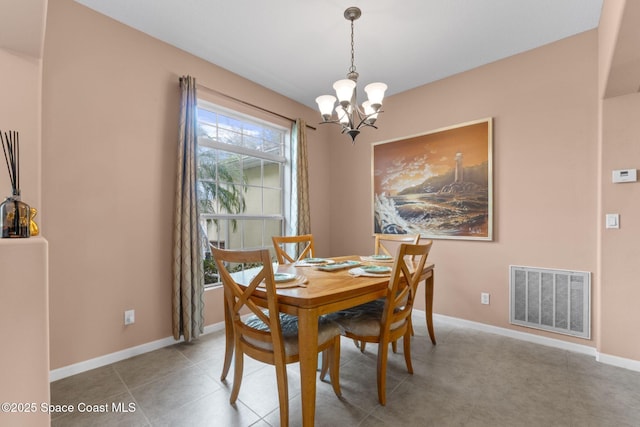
(469, 378)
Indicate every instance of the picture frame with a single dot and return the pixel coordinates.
(438, 184)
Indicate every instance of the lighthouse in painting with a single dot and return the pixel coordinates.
(459, 177)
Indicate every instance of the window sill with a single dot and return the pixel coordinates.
(212, 286)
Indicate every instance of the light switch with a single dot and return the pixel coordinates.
(612, 221)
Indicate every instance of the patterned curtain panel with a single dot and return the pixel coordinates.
(302, 177)
(188, 278)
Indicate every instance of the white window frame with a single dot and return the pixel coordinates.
(285, 159)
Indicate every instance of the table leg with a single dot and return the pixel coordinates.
(229, 342)
(428, 297)
(308, 348)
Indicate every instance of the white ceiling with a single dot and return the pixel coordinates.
(300, 47)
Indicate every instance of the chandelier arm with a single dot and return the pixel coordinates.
(350, 127)
(364, 123)
(347, 128)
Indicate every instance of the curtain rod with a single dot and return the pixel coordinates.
(250, 104)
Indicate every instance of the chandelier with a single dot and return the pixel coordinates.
(347, 113)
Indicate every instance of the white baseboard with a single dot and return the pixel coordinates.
(107, 359)
(620, 362)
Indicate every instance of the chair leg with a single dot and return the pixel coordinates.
(229, 343)
(237, 376)
(359, 344)
(325, 364)
(428, 294)
(383, 348)
(228, 354)
(334, 355)
(283, 392)
(407, 350)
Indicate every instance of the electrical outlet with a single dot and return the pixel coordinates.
(484, 298)
(129, 317)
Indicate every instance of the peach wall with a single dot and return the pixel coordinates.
(24, 310)
(544, 106)
(20, 86)
(620, 62)
(619, 149)
(110, 110)
(608, 31)
(620, 253)
(24, 316)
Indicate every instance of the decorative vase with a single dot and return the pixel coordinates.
(33, 226)
(15, 217)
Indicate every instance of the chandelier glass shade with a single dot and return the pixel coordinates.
(347, 113)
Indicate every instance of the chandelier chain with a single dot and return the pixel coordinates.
(353, 67)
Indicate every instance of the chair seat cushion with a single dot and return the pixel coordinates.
(327, 330)
(364, 320)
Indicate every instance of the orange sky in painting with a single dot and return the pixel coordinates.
(403, 163)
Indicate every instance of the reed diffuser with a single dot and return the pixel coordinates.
(14, 213)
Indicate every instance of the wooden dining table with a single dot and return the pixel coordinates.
(326, 292)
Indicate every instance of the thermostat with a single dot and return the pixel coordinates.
(624, 175)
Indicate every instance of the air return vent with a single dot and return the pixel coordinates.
(552, 300)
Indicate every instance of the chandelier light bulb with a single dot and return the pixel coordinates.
(325, 104)
(375, 93)
(344, 91)
(370, 114)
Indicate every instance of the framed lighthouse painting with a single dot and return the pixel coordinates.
(438, 184)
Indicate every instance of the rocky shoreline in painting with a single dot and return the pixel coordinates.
(445, 205)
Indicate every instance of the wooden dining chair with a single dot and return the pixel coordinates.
(381, 248)
(280, 245)
(384, 321)
(268, 335)
(382, 240)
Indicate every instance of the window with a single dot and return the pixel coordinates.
(242, 164)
